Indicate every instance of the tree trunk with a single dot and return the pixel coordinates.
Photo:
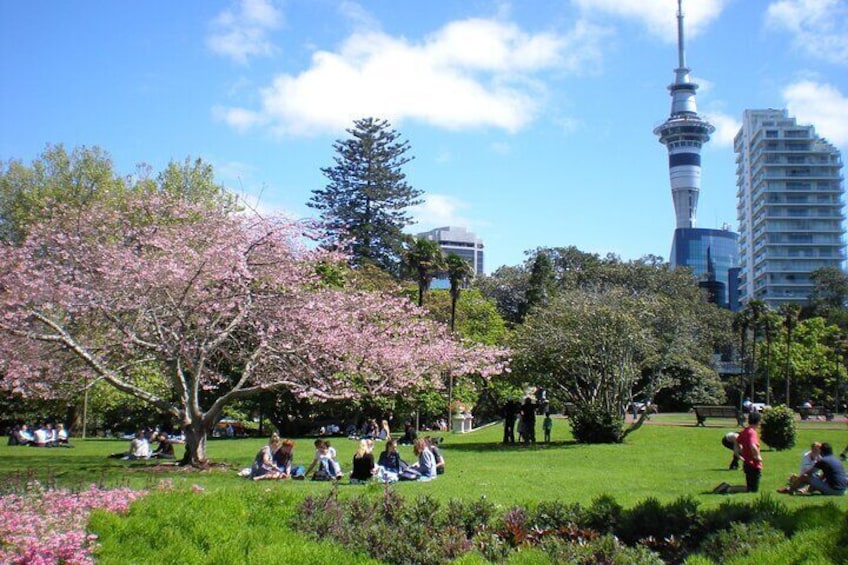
(195, 445)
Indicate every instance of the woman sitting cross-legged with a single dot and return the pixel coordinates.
(363, 463)
(425, 468)
(390, 465)
(263, 467)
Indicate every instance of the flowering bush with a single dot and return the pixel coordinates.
(42, 527)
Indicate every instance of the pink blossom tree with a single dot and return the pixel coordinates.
(217, 305)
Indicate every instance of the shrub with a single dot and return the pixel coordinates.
(603, 515)
(740, 540)
(606, 549)
(591, 424)
(778, 428)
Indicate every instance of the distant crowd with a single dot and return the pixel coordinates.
(45, 435)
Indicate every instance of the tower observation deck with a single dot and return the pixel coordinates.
(683, 133)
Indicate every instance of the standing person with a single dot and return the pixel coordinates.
(547, 425)
(509, 413)
(828, 474)
(363, 462)
(748, 449)
(729, 441)
(528, 420)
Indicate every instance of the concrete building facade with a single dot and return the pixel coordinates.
(790, 198)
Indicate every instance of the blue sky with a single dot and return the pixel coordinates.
(530, 121)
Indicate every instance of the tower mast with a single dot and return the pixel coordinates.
(683, 134)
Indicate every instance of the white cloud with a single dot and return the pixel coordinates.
(440, 210)
(242, 32)
(821, 105)
(659, 17)
(818, 27)
(726, 128)
(470, 73)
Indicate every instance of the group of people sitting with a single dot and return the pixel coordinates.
(276, 461)
(140, 447)
(391, 468)
(820, 471)
(45, 435)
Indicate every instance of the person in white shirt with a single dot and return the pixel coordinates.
(808, 461)
(25, 437)
(139, 447)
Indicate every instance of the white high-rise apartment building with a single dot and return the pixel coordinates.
(459, 240)
(790, 200)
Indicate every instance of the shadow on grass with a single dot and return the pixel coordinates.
(497, 446)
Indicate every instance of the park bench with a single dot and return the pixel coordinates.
(704, 412)
(814, 411)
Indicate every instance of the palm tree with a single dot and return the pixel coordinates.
(753, 314)
(790, 314)
(424, 259)
(770, 323)
(458, 273)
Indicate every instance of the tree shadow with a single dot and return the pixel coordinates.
(517, 447)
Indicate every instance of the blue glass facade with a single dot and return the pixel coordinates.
(713, 257)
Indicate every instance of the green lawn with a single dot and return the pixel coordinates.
(233, 520)
(667, 458)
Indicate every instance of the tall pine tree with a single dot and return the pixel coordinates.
(365, 203)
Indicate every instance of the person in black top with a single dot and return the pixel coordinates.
(528, 419)
(509, 413)
(409, 435)
(363, 462)
(165, 449)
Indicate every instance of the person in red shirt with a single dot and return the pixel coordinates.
(748, 449)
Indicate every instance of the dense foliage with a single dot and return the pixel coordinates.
(425, 531)
(365, 204)
(189, 306)
(778, 428)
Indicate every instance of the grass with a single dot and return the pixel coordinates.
(666, 459)
(238, 521)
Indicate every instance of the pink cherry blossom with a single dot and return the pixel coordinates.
(215, 302)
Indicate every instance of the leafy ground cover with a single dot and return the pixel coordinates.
(230, 519)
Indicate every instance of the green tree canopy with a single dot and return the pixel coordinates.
(365, 204)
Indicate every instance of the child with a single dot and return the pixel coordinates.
(547, 424)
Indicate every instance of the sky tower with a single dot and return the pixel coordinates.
(683, 133)
(711, 254)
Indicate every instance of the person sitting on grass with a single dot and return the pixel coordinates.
(25, 437)
(324, 463)
(363, 463)
(284, 460)
(433, 444)
(797, 482)
(263, 467)
(164, 449)
(389, 465)
(409, 434)
(62, 436)
(425, 468)
(828, 474)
